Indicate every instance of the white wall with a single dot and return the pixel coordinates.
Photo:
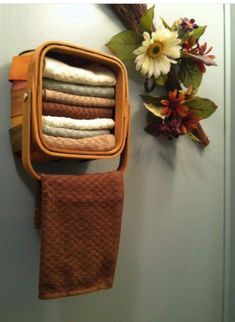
(170, 265)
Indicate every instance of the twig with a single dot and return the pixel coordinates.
(130, 14)
(199, 133)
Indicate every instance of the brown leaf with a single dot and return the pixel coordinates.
(201, 58)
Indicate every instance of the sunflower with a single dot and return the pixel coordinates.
(174, 104)
(157, 52)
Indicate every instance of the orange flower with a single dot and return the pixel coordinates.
(189, 122)
(188, 45)
(174, 105)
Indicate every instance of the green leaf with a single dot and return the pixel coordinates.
(165, 24)
(155, 100)
(156, 110)
(202, 107)
(198, 32)
(195, 34)
(153, 104)
(190, 73)
(123, 44)
(161, 80)
(146, 21)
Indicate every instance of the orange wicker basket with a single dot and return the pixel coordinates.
(26, 111)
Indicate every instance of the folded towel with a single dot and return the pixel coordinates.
(94, 124)
(95, 75)
(97, 143)
(75, 112)
(76, 89)
(53, 96)
(68, 133)
(80, 230)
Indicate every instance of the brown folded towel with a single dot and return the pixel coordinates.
(75, 112)
(80, 230)
(59, 97)
(104, 142)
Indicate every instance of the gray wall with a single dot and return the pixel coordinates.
(170, 265)
(232, 290)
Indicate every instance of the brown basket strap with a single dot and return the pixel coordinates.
(26, 137)
(20, 67)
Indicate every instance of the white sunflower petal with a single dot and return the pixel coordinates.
(140, 57)
(165, 64)
(139, 50)
(139, 65)
(173, 52)
(172, 61)
(151, 67)
(145, 66)
(146, 36)
(156, 70)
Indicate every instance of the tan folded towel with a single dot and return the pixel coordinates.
(96, 143)
(78, 124)
(83, 90)
(95, 75)
(59, 97)
(69, 133)
(80, 230)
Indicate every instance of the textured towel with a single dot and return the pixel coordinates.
(95, 75)
(75, 112)
(97, 143)
(68, 133)
(66, 122)
(82, 90)
(54, 96)
(80, 230)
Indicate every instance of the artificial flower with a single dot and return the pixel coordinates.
(170, 128)
(189, 122)
(157, 52)
(179, 110)
(174, 105)
(188, 24)
(198, 53)
(164, 127)
(202, 50)
(188, 93)
(188, 45)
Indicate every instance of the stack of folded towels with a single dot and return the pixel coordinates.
(78, 106)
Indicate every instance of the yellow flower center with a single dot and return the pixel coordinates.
(155, 50)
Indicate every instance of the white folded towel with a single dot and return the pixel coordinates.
(78, 124)
(69, 133)
(95, 75)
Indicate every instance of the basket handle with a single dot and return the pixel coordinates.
(26, 139)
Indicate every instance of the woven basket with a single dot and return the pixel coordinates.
(26, 112)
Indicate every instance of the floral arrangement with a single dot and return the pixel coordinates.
(171, 57)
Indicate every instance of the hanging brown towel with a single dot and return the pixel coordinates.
(80, 227)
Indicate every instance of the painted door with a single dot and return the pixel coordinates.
(171, 256)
